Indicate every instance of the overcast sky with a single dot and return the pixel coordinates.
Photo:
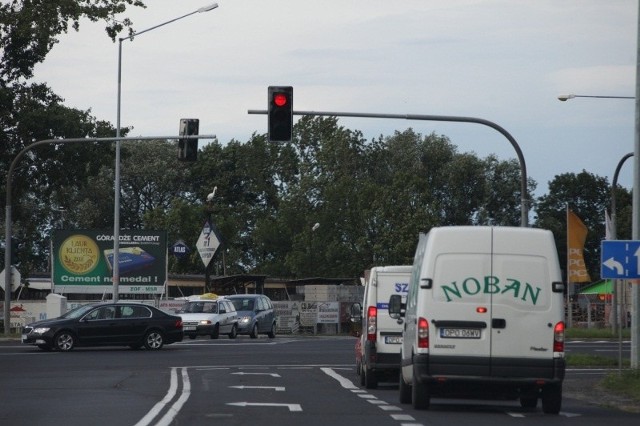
(505, 61)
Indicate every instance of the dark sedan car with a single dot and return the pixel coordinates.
(106, 324)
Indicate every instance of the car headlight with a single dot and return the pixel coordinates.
(40, 330)
(245, 320)
(205, 322)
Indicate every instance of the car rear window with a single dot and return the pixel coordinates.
(134, 312)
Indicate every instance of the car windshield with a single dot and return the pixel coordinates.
(77, 312)
(243, 304)
(200, 307)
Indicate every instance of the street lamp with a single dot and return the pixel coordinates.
(617, 314)
(116, 213)
(635, 231)
(209, 209)
(564, 98)
(314, 228)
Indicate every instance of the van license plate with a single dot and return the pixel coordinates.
(393, 340)
(460, 333)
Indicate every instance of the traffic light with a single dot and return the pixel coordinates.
(188, 148)
(15, 247)
(280, 113)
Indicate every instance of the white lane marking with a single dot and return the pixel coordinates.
(401, 417)
(173, 386)
(344, 382)
(291, 407)
(390, 407)
(275, 388)
(177, 406)
(242, 373)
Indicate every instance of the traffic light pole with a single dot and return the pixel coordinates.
(524, 211)
(8, 219)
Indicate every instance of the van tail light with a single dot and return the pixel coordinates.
(372, 326)
(558, 337)
(423, 333)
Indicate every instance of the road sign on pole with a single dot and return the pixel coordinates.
(620, 259)
(208, 243)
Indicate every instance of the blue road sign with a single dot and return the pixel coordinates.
(620, 259)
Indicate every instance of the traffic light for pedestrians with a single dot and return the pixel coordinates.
(188, 148)
(280, 113)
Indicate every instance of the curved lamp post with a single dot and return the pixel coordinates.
(564, 98)
(116, 213)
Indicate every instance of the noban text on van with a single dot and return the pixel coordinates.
(491, 285)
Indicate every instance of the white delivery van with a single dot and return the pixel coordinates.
(379, 355)
(483, 317)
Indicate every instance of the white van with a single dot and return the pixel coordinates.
(378, 357)
(483, 317)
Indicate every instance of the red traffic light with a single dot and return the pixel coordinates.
(280, 113)
(280, 99)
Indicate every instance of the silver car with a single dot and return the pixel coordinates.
(255, 314)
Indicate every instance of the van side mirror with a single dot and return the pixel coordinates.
(396, 307)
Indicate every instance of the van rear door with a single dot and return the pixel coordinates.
(492, 301)
(523, 311)
(460, 321)
(390, 280)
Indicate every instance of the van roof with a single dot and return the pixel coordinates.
(393, 268)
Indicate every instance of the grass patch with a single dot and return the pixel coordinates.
(627, 383)
(595, 333)
(587, 360)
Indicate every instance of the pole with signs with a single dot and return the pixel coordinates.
(208, 243)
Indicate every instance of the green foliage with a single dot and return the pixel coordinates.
(371, 198)
(627, 383)
(587, 360)
(30, 28)
(588, 196)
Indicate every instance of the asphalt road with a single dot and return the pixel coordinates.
(285, 381)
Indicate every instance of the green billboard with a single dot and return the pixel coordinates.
(83, 261)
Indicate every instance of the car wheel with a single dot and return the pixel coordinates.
(153, 340)
(420, 394)
(234, 332)
(64, 341)
(370, 378)
(405, 391)
(551, 399)
(254, 331)
(216, 332)
(272, 332)
(45, 347)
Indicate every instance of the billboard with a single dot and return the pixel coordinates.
(83, 261)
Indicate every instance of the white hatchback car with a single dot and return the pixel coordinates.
(209, 317)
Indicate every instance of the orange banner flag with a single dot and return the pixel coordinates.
(576, 236)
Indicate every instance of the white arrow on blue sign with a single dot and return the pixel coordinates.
(620, 259)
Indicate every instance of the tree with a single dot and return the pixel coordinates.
(46, 178)
(588, 196)
(30, 28)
